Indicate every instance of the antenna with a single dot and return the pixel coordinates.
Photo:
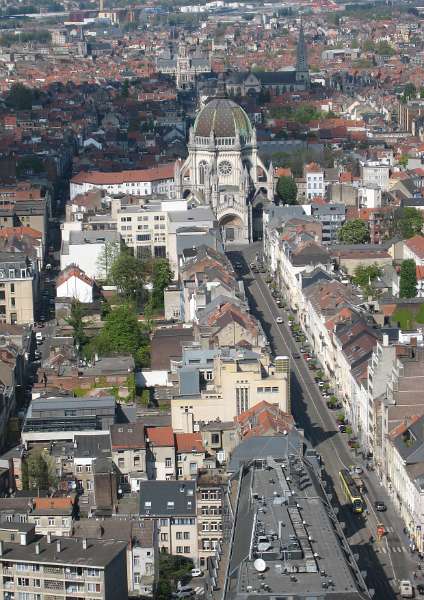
(260, 565)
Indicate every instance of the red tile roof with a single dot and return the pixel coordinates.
(189, 442)
(20, 231)
(416, 245)
(100, 178)
(161, 436)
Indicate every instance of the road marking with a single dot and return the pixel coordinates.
(296, 368)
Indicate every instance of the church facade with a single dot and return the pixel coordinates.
(295, 79)
(223, 168)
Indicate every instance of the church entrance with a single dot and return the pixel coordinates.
(233, 229)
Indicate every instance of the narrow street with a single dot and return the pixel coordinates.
(385, 562)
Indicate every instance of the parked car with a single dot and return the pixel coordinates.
(420, 589)
(39, 337)
(380, 506)
(342, 428)
(196, 572)
(405, 588)
(296, 355)
(279, 320)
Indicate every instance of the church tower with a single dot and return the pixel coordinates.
(302, 67)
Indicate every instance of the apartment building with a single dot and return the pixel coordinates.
(173, 505)
(314, 176)
(85, 249)
(225, 382)
(376, 173)
(211, 512)
(160, 455)
(35, 568)
(144, 228)
(18, 288)
(128, 443)
(142, 182)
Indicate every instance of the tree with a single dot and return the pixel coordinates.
(408, 279)
(106, 258)
(287, 189)
(125, 92)
(121, 333)
(75, 320)
(408, 222)
(39, 471)
(20, 97)
(403, 161)
(354, 232)
(161, 277)
(127, 273)
(25, 475)
(365, 275)
(409, 92)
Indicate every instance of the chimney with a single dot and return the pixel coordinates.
(49, 537)
(37, 548)
(84, 543)
(58, 546)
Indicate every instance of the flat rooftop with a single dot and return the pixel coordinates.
(284, 519)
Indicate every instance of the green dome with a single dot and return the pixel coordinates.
(224, 118)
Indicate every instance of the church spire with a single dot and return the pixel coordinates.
(302, 67)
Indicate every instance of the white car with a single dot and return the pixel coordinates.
(406, 589)
(196, 573)
(279, 320)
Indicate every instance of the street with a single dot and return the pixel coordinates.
(385, 562)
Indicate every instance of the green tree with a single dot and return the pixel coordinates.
(40, 473)
(161, 278)
(354, 232)
(365, 275)
(383, 48)
(125, 91)
(75, 320)
(106, 258)
(287, 189)
(408, 222)
(25, 475)
(409, 92)
(403, 161)
(121, 333)
(20, 97)
(127, 273)
(408, 279)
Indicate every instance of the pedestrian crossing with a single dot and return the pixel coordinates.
(393, 549)
(199, 590)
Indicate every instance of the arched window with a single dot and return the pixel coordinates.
(203, 165)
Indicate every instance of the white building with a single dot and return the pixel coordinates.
(223, 169)
(72, 282)
(142, 182)
(369, 196)
(376, 172)
(314, 176)
(86, 249)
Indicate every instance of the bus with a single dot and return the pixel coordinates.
(351, 491)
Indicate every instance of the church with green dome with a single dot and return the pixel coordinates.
(223, 169)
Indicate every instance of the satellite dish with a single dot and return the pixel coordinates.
(260, 565)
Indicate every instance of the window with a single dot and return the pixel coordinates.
(93, 572)
(168, 462)
(215, 438)
(180, 471)
(147, 504)
(163, 537)
(205, 526)
(170, 505)
(179, 535)
(186, 549)
(121, 462)
(51, 520)
(186, 535)
(13, 302)
(23, 581)
(79, 468)
(179, 549)
(88, 468)
(164, 522)
(93, 587)
(136, 461)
